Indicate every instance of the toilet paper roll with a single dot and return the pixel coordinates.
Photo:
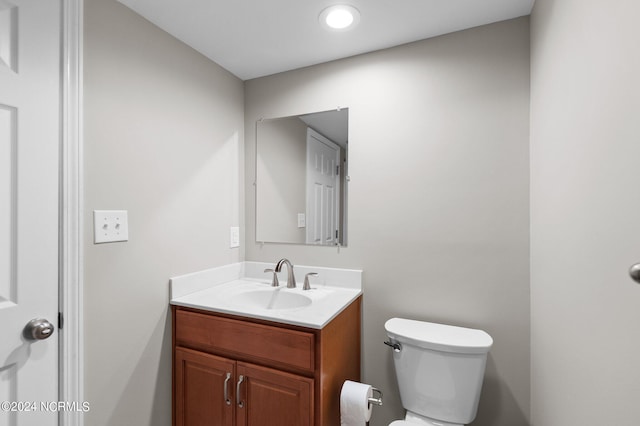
(354, 403)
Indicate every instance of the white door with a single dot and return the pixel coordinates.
(323, 189)
(29, 174)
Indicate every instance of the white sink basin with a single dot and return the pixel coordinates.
(270, 299)
(257, 299)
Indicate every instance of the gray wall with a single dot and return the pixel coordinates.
(163, 140)
(438, 198)
(282, 179)
(585, 101)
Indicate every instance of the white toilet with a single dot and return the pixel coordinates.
(440, 369)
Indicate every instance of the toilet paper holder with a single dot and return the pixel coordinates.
(377, 399)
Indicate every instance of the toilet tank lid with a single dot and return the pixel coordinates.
(441, 337)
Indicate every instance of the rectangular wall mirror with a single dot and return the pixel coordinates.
(301, 178)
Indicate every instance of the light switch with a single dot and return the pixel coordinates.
(302, 220)
(110, 226)
(234, 237)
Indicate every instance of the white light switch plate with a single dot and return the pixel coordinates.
(234, 237)
(302, 220)
(110, 226)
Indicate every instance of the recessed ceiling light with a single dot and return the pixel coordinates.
(339, 17)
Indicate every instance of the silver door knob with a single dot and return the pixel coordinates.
(38, 329)
(634, 272)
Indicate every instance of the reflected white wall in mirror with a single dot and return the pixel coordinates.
(301, 178)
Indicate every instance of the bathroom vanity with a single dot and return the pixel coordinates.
(237, 362)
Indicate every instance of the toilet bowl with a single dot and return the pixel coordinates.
(439, 369)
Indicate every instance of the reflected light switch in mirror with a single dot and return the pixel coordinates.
(234, 237)
(302, 221)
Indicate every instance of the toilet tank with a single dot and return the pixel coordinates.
(439, 368)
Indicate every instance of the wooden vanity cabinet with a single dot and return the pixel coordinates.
(235, 371)
(200, 380)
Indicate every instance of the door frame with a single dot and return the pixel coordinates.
(71, 342)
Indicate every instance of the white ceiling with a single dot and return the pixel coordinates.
(254, 38)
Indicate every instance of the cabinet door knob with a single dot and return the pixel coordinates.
(226, 389)
(240, 402)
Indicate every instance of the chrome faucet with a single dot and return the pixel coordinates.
(291, 278)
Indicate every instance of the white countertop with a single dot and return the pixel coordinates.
(224, 289)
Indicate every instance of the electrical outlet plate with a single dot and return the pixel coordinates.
(110, 226)
(234, 237)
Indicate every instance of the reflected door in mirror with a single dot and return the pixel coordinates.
(323, 189)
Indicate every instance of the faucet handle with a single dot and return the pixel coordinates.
(306, 285)
(274, 280)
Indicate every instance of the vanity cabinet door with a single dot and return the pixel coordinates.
(270, 397)
(201, 380)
